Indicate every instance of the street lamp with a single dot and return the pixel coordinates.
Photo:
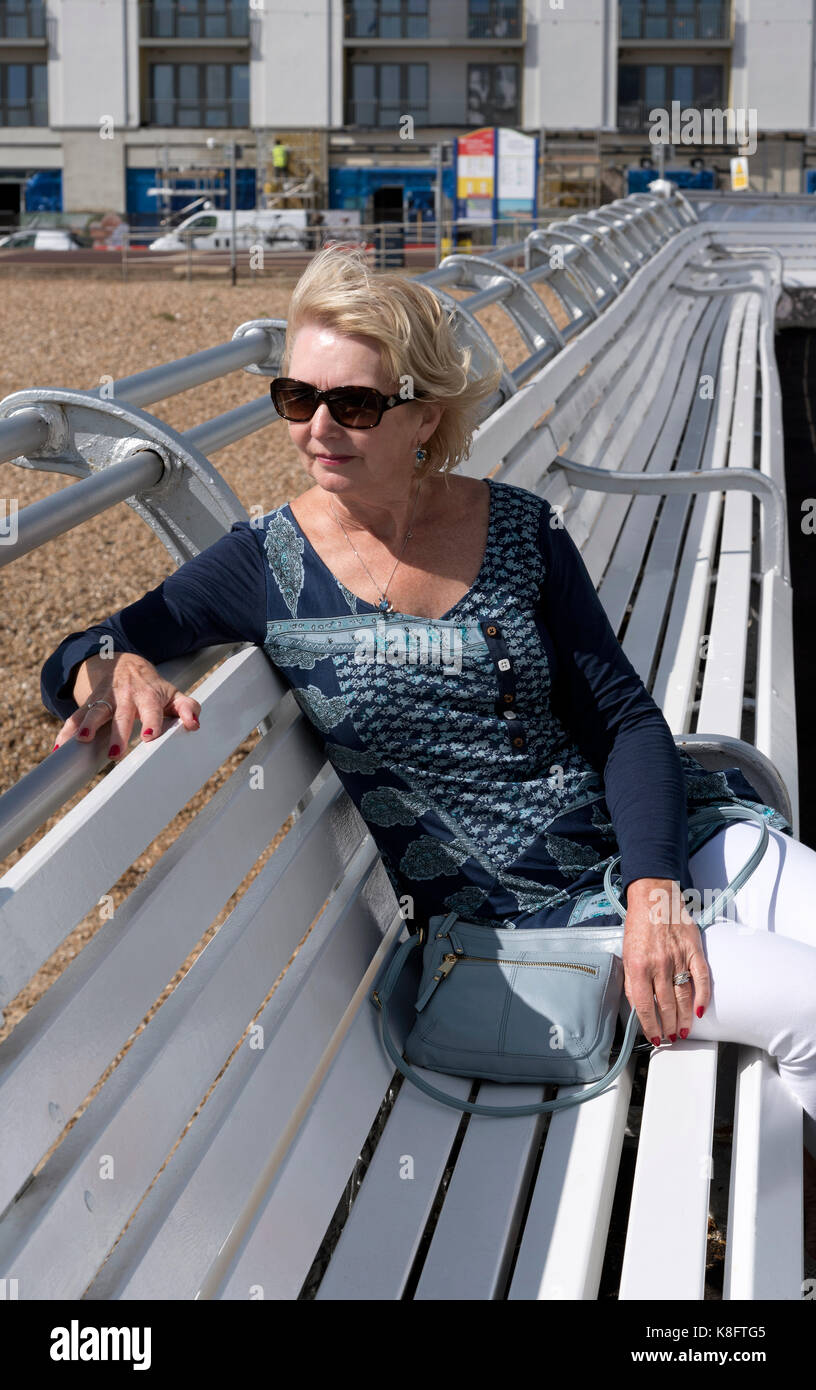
(233, 151)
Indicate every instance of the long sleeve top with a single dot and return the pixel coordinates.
(500, 755)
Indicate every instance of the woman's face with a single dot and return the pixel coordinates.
(375, 464)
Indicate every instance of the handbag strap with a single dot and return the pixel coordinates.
(708, 815)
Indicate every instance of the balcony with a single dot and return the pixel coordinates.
(386, 19)
(194, 20)
(23, 113)
(495, 19)
(202, 113)
(434, 23)
(674, 21)
(634, 115)
(379, 115)
(22, 20)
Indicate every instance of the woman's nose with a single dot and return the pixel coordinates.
(322, 420)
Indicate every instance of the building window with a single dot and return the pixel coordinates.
(387, 19)
(23, 94)
(381, 93)
(493, 94)
(675, 19)
(195, 19)
(494, 19)
(199, 94)
(644, 87)
(22, 19)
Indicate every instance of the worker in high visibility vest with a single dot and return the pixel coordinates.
(280, 160)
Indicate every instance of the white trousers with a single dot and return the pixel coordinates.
(761, 956)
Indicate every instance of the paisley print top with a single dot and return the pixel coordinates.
(500, 755)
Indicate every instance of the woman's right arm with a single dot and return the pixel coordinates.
(217, 596)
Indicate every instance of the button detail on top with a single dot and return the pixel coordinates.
(509, 698)
(492, 631)
(518, 742)
(504, 664)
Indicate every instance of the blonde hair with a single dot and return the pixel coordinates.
(414, 334)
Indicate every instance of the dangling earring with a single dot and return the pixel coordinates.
(421, 456)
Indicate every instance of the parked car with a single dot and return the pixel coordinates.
(41, 239)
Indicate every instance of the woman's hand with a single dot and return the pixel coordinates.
(135, 689)
(660, 939)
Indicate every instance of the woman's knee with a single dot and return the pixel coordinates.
(763, 989)
(778, 895)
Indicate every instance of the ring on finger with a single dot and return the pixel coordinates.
(681, 978)
(100, 702)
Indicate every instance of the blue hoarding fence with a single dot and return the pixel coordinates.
(43, 191)
(145, 209)
(638, 180)
(353, 189)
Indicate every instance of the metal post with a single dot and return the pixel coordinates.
(438, 204)
(125, 238)
(233, 252)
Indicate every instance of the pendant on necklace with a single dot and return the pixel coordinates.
(384, 606)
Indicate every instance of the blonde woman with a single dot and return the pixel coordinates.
(443, 635)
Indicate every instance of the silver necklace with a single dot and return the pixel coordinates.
(384, 605)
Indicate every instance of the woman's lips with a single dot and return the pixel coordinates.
(333, 458)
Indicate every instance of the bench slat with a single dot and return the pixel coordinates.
(565, 1234)
(665, 1252)
(652, 603)
(763, 1257)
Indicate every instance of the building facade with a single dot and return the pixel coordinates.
(100, 100)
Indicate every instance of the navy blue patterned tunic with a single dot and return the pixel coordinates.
(500, 755)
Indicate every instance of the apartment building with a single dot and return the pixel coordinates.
(98, 97)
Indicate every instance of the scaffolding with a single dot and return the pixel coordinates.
(571, 167)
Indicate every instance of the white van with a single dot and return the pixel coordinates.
(211, 230)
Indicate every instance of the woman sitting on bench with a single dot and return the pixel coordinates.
(444, 636)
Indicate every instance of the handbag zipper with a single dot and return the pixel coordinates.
(449, 961)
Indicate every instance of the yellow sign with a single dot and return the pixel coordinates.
(739, 172)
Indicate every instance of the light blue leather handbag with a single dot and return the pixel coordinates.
(527, 1005)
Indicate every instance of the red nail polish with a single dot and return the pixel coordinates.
(113, 751)
(147, 731)
(655, 1042)
(195, 718)
(700, 1011)
(56, 745)
(684, 1032)
(672, 1037)
(83, 732)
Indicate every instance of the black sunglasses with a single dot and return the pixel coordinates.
(354, 407)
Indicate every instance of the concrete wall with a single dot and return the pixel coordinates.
(291, 70)
(86, 66)
(93, 177)
(569, 48)
(774, 62)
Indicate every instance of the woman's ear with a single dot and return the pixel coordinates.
(431, 415)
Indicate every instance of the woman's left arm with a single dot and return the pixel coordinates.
(600, 698)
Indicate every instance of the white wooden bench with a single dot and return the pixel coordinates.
(309, 1112)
